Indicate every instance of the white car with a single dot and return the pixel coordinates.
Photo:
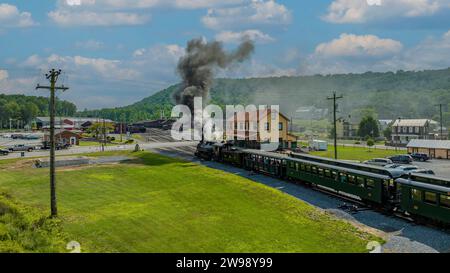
(399, 170)
(378, 162)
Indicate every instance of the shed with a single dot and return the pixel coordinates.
(433, 148)
(65, 137)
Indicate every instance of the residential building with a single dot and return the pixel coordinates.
(244, 132)
(433, 148)
(347, 129)
(384, 124)
(405, 130)
(311, 113)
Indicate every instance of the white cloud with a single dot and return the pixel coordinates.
(90, 45)
(3, 75)
(362, 11)
(122, 12)
(100, 82)
(10, 16)
(431, 53)
(350, 45)
(256, 13)
(237, 37)
(379, 55)
(89, 18)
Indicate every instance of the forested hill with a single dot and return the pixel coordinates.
(26, 108)
(405, 94)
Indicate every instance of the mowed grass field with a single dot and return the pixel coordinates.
(157, 204)
(358, 153)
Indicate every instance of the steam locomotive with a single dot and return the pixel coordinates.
(421, 197)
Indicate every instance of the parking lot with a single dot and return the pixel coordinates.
(6, 142)
(440, 167)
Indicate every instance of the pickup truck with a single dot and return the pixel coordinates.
(4, 152)
(58, 146)
(21, 148)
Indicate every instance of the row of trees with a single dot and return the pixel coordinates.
(21, 109)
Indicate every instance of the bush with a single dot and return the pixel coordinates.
(26, 229)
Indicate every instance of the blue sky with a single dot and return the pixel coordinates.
(116, 52)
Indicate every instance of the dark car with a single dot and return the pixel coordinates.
(58, 146)
(4, 152)
(420, 157)
(401, 159)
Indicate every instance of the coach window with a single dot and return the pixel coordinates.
(296, 166)
(303, 167)
(308, 168)
(430, 198)
(445, 201)
(334, 175)
(352, 179)
(320, 172)
(360, 182)
(416, 195)
(327, 173)
(370, 183)
(314, 169)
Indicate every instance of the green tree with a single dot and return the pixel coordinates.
(369, 127)
(388, 132)
(370, 143)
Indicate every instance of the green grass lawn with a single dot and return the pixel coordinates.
(358, 153)
(157, 204)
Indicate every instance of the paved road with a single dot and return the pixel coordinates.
(92, 149)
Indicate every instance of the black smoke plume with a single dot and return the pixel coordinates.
(197, 67)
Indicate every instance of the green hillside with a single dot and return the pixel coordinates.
(26, 108)
(405, 94)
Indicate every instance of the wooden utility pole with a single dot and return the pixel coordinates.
(52, 76)
(335, 99)
(442, 125)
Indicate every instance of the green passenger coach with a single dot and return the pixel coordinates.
(425, 200)
(367, 186)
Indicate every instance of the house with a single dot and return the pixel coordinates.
(347, 129)
(244, 132)
(311, 113)
(384, 124)
(433, 148)
(65, 137)
(405, 130)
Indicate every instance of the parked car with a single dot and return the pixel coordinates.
(4, 152)
(32, 137)
(398, 171)
(402, 159)
(424, 171)
(59, 146)
(17, 136)
(21, 148)
(420, 157)
(378, 162)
